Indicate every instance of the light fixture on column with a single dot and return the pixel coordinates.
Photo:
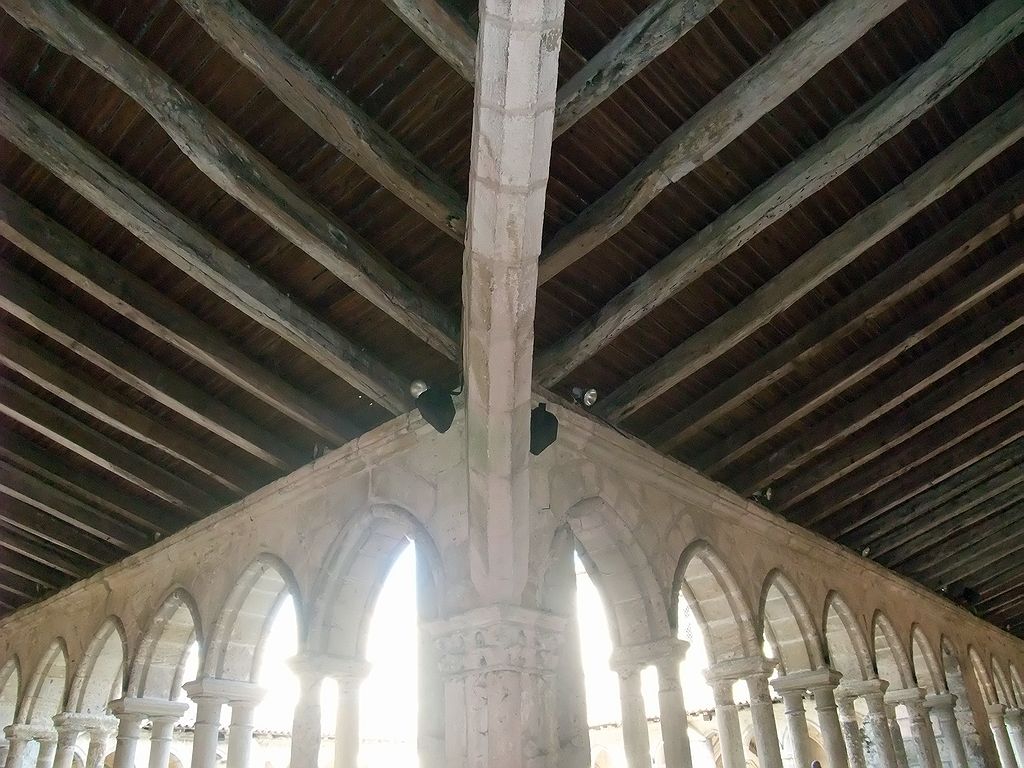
(585, 396)
(435, 405)
(543, 429)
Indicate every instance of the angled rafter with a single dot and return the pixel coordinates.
(897, 531)
(446, 32)
(24, 487)
(15, 583)
(98, 449)
(818, 443)
(240, 170)
(990, 408)
(47, 313)
(18, 565)
(985, 448)
(649, 35)
(25, 517)
(762, 88)
(993, 546)
(968, 232)
(46, 557)
(335, 117)
(950, 304)
(843, 148)
(190, 249)
(103, 279)
(934, 179)
(45, 370)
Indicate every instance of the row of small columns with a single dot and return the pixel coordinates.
(1008, 732)
(312, 671)
(57, 745)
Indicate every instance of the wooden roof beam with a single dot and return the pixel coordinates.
(107, 454)
(113, 285)
(958, 161)
(240, 170)
(13, 540)
(55, 532)
(995, 405)
(190, 249)
(325, 109)
(990, 550)
(838, 444)
(976, 226)
(846, 145)
(446, 33)
(17, 564)
(746, 100)
(46, 371)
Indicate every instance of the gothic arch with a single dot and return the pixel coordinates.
(981, 672)
(356, 566)
(787, 624)
(1004, 691)
(927, 669)
(718, 604)
(10, 691)
(621, 571)
(847, 647)
(237, 639)
(1017, 684)
(159, 664)
(45, 692)
(891, 659)
(100, 675)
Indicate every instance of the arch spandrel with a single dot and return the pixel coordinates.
(928, 669)
(159, 665)
(848, 650)
(716, 599)
(100, 673)
(1001, 681)
(983, 676)
(237, 640)
(788, 625)
(892, 661)
(45, 693)
(1017, 683)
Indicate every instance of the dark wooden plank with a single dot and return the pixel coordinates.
(958, 161)
(16, 564)
(13, 540)
(56, 533)
(976, 226)
(440, 27)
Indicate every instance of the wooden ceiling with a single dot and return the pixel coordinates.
(782, 239)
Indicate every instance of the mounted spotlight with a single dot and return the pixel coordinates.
(543, 429)
(585, 397)
(436, 406)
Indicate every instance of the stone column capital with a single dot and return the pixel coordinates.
(940, 701)
(324, 665)
(224, 691)
(1014, 716)
(908, 697)
(739, 669)
(807, 680)
(870, 690)
(24, 732)
(80, 721)
(632, 658)
(995, 710)
(498, 638)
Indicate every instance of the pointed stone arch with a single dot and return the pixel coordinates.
(1017, 683)
(983, 676)
(718, 604)
(892, 662)
(237, 640)
(956, 683)
(356, 566)
(159, 666)
(848, 650)
(927, 669)
(621, 571)
(788, 625)
(10, 691)
(99, 678)
(46, 690)
(1001, 681)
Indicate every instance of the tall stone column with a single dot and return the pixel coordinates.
(796, 719)
(129, 727)
(350, 676)
(997, 721)
(635, 737)
(99, 738)
(500, 664)
(948, 730)
(878, 744)
(47, 750)
(727, 717)
(306, 721)
(925, 745)
(69, 728)
(823, 689)
(899, 746)
(5, 747)
(762, 712)
(675, 729)
(160, 736)
(18, 739)
(210, 703)
(851, 730)
(1015, 728)
(430, 685)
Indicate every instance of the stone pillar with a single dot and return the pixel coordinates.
(500, 664)
(727, 718)
(69, 728)
(210, 701)
(823, 688)
(762, 712)
(350, 676)
(851, 731)
(305, 750)
(99, 737)
(18, 739)
(921, 732)
(997, 720)
(1015, 728)
(675, 734)
(4, 748)
(796, 719)
(47, 750)
(899, 746)
(430, 686)
(129, 726)
(160, 737)
(636, 740)
(878, 745)
(948, 730)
